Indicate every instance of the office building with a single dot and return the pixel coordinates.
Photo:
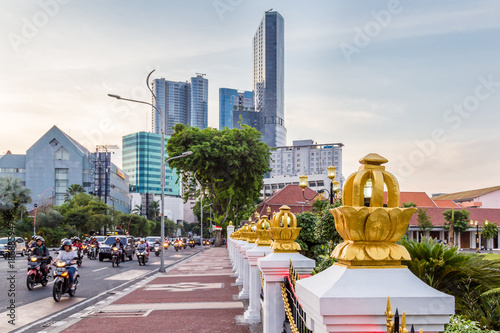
(231, 103)
(268, 78)
(304, 157)
(55, 162)
(181, 102)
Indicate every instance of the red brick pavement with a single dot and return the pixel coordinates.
(196, 296)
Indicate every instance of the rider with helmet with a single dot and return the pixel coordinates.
(68, 255)
(40, 250)
(119, 245)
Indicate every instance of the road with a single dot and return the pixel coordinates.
(96, 279)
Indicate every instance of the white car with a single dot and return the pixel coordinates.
(20, 246)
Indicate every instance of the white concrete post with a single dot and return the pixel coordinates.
(240, 271)
(245, 291)
(252, 315)
(275, 267)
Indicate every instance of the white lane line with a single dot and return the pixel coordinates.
(100, 269)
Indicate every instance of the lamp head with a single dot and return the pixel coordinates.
(303, 181)
(331, 172)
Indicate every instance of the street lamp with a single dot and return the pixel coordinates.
(476, 223)
(209, 205)
(162, 125)
(331, 172)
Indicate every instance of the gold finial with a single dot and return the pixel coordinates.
(389, 316)
(268, 211)
(244, 232)
(230, 222)
(370, 233)
(252, 235)
(403, 328)
(257, 216)
(284, 231)
(263, 232)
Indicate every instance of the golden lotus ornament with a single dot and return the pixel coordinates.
(264, 231)
(370, 233)
(284, 231)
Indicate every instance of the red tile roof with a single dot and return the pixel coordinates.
(476, 214)
(290, 195)
(467, 195)
(421, 199)
(446, 204)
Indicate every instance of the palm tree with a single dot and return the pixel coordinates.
(73, 190)
(13, 195)
(154, 210)
(137, 210)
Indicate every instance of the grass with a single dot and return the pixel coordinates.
(492, 256)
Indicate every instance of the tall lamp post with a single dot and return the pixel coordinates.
(334, 185)
(162, 125)
(476, 223)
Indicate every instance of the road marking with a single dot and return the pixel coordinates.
(100, 269)
(174, 306)
(184, 286)
(127, 275)
(34, 311)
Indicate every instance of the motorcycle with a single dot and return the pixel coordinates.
(85, 249)
(166, 244)
(61, 281)
(184, 243)
(142, 255)
(79, 252)
(92, 252)
(206, 242)
(157, 249)
(191, 243)
(34, 275)
(177, 245)
(115, 256)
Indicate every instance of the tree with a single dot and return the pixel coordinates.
(230, 165)
(13, 196)
(73, 190)
(424, 221)
(461, 218)
(408, 204)
(490, 230)
(154, 210)
(307, 240)
(137, 210)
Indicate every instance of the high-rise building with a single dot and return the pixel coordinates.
(304, 157)
(56, 161)
(231, 101)
(141, 160)
(268, 78)
(181, 102)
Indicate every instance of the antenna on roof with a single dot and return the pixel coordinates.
(267, 11)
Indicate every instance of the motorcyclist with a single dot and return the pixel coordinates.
(41, 251)
(61, 248)
(32, 243)
(143, 246)
(118, 244)
(93, 241)
(68, 256)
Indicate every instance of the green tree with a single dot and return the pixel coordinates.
(154, 210)
(230, 165)
(13, 196)
(309, 244)
(73, 190)
(137, 210)
(325, 226)
(423, 221)
(408, 204)
(461, 218)
(490, 230)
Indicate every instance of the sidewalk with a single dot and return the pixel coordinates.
(196, 296)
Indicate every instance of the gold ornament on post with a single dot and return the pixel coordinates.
(284, 231)
(370, 233)
(264, 232)
(252, 235)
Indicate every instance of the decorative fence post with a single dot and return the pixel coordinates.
(275, 267)
(229, 240)
(251, 238)
(252, 315)
(347, 297)
(242, 241)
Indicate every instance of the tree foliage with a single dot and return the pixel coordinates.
(73, 190)
(490, 230)
(230, 165)
(423, 221)
(13, 195)
(408, 204)
(461, 218)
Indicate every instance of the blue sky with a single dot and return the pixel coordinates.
(405, 79)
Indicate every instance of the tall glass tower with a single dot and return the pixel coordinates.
(268, 78)
(231, 100)
(181, 102)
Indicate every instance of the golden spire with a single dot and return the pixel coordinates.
(230, 222)
(264, 232)
(251, 234)
(284, 231)
(403, 328)
(370, 233)
(389, 316)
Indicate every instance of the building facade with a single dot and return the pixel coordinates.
(55, 162)
(232, 101)
(181, 102)
(269, 79)
(141, 161)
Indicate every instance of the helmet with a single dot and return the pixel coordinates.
(63, 240)
(76, 238)
(40, 238)
(67, 242)
(118, 239)
(33, 238)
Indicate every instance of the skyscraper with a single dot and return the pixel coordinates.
(231, 100)
(181, 102)
(268, 78)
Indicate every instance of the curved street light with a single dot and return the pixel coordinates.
(334, 185)
(162, 125)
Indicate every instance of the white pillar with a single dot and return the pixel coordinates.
(229, 240)
(274, 268)
(245, 291)
(240, 271)
(252, 314)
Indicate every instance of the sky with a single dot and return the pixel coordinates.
(417, 82)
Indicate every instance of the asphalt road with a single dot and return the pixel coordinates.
(96, 278)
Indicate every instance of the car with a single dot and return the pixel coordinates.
(131, 240)
(100, 239)
(105, 248)
(151, 241)
(20, 245)
(197, 240)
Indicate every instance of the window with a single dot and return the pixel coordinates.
(61, 154)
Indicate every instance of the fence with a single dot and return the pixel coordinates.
(295, 315)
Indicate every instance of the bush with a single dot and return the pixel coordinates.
(458, 324)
